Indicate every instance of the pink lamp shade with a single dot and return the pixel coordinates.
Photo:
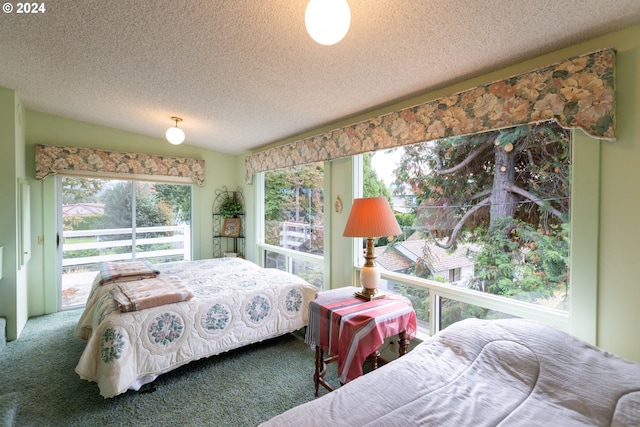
(371, 217)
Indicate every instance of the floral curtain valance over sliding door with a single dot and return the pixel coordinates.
(51, 160)
(576, 93)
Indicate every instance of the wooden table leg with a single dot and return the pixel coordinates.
(403, 343)
(321, 370)
(373, 357)
(316, 375)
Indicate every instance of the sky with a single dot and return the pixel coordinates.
(384, 163)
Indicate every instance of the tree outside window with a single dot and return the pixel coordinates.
(501, 201)
(294, 219)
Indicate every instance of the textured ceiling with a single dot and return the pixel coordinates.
(244, 73)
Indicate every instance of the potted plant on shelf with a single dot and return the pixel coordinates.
(230, 207)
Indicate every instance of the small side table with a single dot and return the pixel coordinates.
(350, 329)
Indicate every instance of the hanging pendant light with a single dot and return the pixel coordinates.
(175, 135)
(327, 21)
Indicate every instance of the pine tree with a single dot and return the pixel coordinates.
(509, 192)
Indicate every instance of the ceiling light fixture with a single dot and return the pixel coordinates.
(327, 21)
(175, 135)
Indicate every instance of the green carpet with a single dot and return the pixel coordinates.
(240, 388)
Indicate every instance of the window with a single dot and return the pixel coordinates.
(453, 311)
(293, 221)
(454, 275)
(113, 220)
(484, 216)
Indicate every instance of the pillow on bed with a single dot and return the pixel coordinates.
(126, 271)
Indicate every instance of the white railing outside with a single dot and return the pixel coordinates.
(294, 262)
(180, 242)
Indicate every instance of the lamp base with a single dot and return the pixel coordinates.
(369, 294)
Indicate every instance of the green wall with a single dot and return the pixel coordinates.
(619, 291)
(13, 285)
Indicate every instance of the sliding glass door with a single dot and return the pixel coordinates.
(114, 220)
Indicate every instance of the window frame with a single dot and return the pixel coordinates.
(57, 183)
(346, 254)
(583, 252)
(455, 274)
(322, 262)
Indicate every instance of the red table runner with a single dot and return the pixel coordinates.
(353, 329)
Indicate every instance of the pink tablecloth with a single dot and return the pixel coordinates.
(353, 328)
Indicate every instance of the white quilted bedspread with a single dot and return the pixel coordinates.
(486, 373)
(235, 303)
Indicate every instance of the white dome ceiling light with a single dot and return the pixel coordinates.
(175, 135)
(327, 21)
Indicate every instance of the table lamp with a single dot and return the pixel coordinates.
(371, 217)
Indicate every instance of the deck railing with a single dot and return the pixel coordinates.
(175, 239)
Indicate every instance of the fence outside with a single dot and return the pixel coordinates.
(180, 239)
(78, 272)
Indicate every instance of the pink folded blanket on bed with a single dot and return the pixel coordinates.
(126, 271)
(147, 293)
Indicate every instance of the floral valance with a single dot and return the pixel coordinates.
(51, 160)
(576, 93)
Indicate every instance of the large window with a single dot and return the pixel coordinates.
(293, 226)
(117, 220)
(485, 215)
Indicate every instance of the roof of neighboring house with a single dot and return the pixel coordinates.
(440, 259)
(404, 254)
(83, 209)
(390, 259)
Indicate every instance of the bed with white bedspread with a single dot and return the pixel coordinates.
(486, 373)
(234, 303)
